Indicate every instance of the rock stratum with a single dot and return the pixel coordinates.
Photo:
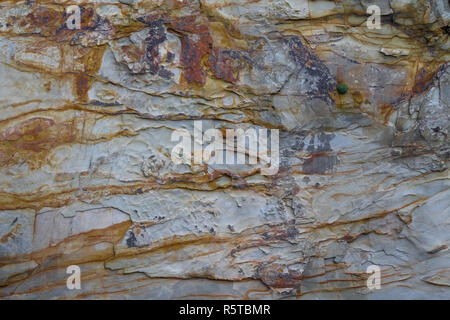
(86, 176)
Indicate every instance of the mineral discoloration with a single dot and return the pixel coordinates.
(86, 175)
(196, 44)
(225, 64)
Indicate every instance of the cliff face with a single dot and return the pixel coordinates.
(87, 179)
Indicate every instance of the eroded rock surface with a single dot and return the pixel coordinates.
(87, 179)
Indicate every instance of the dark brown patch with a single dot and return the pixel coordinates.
(319, 164)
(90, 21)
(423, 80)
(278, 276)
(311, 65)
(82, 87)
(47, 20)
(196, 45)
(155, 37)
(225, 64)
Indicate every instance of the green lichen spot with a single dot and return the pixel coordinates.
(342, 88)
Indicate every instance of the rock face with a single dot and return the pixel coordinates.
(87, 177)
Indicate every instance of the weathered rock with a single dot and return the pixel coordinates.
(86, 169)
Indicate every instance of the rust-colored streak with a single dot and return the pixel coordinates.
(423, 80)
(196, 45)
(386, 112)
(85, 242)
(30, 140)
(11, 234)
(276, 276)
(82, 87)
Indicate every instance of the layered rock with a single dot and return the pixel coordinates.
(87, 177)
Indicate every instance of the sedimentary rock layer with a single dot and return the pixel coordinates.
(87, 178)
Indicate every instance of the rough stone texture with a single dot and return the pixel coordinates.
(86, 176)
